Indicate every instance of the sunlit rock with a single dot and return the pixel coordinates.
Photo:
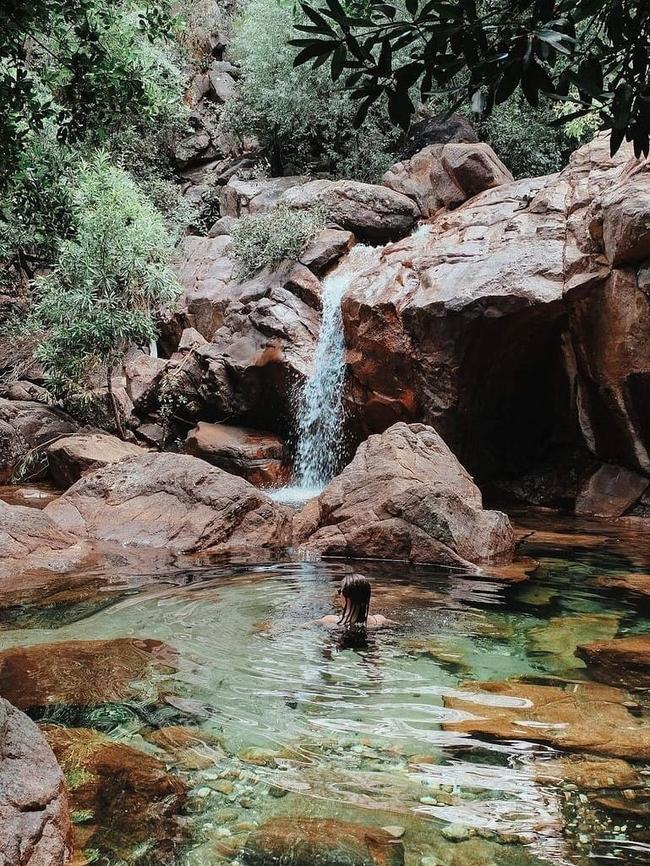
(73, 456)
(405, 496)
(624, 661)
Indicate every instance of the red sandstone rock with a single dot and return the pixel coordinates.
(446, 175)
(326, 249)
(610, 491)
(34, 817)
(405, 496)
(305, 842)
(73, 456)
(171, 501)
(624, 661)
(26, 428)
(258, 457)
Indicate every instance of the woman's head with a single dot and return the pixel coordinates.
(355, 589)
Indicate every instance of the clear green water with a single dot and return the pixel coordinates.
(355, 731)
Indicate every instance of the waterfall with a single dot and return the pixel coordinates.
(320, 415)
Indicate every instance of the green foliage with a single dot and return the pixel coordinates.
(85, 67)
(302, 120)
(109, 282)
(267, 238)
(591, 53)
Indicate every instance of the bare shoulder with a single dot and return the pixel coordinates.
(378, 620)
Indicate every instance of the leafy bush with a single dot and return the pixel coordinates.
(107, 286)
(267, 238)
(302, 120)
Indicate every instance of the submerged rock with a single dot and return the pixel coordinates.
(260, 458)
(405, 496)
(171, 501)
(559, 638)
(83, 672)
(585, 717)
(589, 772)
(34, 815)
(307, 842)
(624, 661)
(128, 798)
(73, 456)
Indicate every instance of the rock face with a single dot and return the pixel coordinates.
(73, 456)
(171, 501)
(446, 175)
(517, 326)
(584, 717)
(373, 213)
(260, 458)
(623, 661)
(405, 496)
(305, 842)
(610, 491)
(81, 672)
(34, 816)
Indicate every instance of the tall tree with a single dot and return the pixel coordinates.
(591, 54)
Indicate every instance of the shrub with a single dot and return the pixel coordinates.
(265, 239)
(110, 281)
(302, 120)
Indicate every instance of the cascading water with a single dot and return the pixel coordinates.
(320, 416)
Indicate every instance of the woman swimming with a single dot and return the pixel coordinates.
(356, 591)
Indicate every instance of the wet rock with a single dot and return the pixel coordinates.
(131, 800)
(81, 673)
(34, 813)
(373, 213)
(189, 748)
(25, 429)
(258, 457)
(73, 456)
(636, 583)
(405, 496)
(326, 249)
(624, 661)
(305, 842)
(171, 501)
(30, 541)
(585, 717)
(610, 491)
(561, 636)
(446, 175)
(589, 772)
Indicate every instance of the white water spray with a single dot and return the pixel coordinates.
(320, 415)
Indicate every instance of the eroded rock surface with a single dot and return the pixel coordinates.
(405, 496)
(34, 815)
(171, 501)
(73, 456)
(260, 458)
(624, 661)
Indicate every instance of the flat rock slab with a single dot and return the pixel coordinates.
(588, 717)
(80, 673)
(171, 501)
(321, 842)
(34, 816)
(624, 661)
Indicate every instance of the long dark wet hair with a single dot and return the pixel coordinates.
(356, 591)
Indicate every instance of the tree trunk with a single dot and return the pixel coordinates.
(113, 400)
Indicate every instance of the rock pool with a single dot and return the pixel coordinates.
(199, 721)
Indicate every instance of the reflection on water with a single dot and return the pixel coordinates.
(262, 714)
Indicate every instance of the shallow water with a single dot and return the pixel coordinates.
(312, 723)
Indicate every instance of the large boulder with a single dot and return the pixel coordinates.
(26, 429)
(439, 130)
(245, 197)
(446, 175)
(624, 661)
(405, 496)
(171, 501)
(322, 841)
(73, 456)
(260, 458)
(30, 541)
(373, 213)
(503, 324)
(34, 815)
